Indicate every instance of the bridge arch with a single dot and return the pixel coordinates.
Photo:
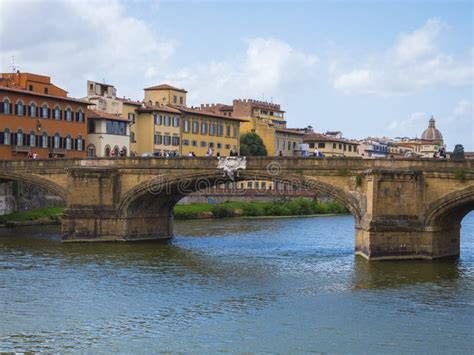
(449, 210)
(46, 184)
(160, 194)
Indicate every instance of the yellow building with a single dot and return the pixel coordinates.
(203, 130)
(165, 95)
(331, 146)
(154, 129)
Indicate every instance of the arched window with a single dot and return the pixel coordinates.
(80, 115)
(57, 141)
(91, 151)
(68, 142)
(19, 137)
(123, 151)
(33, 109)
(6, 136)
(6, 106)
(116, 151)
(32, 139)
(44, 140)
(68, 114)
(44, 111)
(57, 113)
(107, 151)
(80, 142)
(20, 108)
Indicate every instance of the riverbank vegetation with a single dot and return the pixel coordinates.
(298, 207)
(229, 209)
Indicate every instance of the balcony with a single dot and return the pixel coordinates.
(20, 148)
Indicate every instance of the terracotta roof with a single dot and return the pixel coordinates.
(130, 102)
(318, 137)
(165, 87)
(161, 108)
(210, 114)
(105, 115)
(288, 130)
(33, 93)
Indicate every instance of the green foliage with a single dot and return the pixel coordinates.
(32, 215)
(460, 174)
(253, 210)
(252, 145)
(222, 210)
(458, 152)
(358, 181)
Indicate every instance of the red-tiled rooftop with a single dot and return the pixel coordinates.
(289, 130)
(34, 93)
(165, 87)
(130, 102)
(210, 114)
(310, 137)
(161, 108)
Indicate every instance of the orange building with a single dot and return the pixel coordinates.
(38, 117)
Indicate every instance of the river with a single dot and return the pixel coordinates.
(239, 285)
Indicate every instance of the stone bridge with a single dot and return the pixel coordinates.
(402, 208)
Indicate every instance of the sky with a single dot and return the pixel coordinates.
(366, 68)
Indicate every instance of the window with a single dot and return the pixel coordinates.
(236, 132)
(175, 141)
(186, 126)
(20, 108)
(56, 141)
(44, 111)
(107, 151)
(167, 121)
(227, 146)
(203, 127)
(30, 87)
(211, 145)
(67, 143)
(203, 144)
(33, 109)
(195, 127)
(116, 127)
(80, 116)
(181, 101)
(227, 131)
(158, 139)
(185, 142)
(132, 137)
(6, 136)
(289, 145)
(175, 99)
(79, 142)
(6, 106)
(321, 145)
(131, 117)
(345, 147)
(32, 139)
(220, 130)
(175, 121)
(68, 114)
(91, 126)
(167, 140)
(334, 145)
(194, 143)
(350, 148)
(212, 129)
(158, 120)
(46, 90)
(340, 146)
(44, 140)
(19, 137)
(91, 151)
(57, 113)
(249, 184)
(219, 145)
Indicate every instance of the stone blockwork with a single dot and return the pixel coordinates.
(402, 208)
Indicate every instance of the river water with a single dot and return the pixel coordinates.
(239, 285)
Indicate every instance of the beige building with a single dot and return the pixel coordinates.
(165, 95)
(288, 142)
(330, 146)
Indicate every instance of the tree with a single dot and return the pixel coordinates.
(458, 152)
(252, 145)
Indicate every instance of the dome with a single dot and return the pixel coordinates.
(432, 133)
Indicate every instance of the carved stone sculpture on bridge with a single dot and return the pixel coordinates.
(232, 165)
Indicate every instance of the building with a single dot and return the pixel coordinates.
(38, 117)
(288, 142)
(156, 130)
(165, 94)
(109, 130)
(330, 146)
(108, 135)
(203, 130)
(371, 148)
(432, 140)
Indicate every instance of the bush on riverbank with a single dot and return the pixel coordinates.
(40, 213)
(296, 207)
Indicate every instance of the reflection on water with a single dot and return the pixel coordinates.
(256, 285)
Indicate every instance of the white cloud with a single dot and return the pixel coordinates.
(463, 108)
(73, 41)
(413, 63)
(412, 125)
(267, 66)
